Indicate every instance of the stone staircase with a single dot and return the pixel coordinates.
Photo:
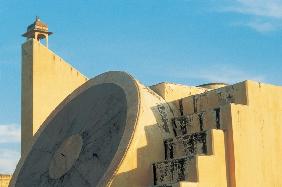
(196, 155)
(180, 162)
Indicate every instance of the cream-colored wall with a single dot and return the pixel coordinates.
(252, 129)
(251, 115)
(236, 93)
(213, 85)
(173, 93)
(212, 168)
(257, 137)
(46, 80)
(4, 180)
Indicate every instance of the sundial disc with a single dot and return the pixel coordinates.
(84, 139)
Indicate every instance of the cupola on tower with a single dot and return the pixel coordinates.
(37, 30)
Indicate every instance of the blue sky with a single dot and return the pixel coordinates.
(184, 41)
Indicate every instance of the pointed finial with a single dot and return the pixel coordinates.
(37, 18)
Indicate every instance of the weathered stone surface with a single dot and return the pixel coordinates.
(172, 171)
(187, 145)
(236, 93)
(65, 156)
(173, 94)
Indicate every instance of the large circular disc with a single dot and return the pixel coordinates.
(84, 140)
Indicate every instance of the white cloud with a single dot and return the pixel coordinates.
(8, 160)
(10, 133)
(263, 8)
(260, 25)
(264, 15)
(263, 26)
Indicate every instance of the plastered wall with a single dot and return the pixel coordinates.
(4, 180)
(46, 80)
(257, 137)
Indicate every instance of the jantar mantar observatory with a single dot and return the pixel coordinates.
(111, 130)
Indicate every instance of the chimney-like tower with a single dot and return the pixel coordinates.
(46, 81)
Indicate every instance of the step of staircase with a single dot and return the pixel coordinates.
(214, 99)
(187, 157)
(188, 145)
(179, 184)
(210, 119)
(174, 170)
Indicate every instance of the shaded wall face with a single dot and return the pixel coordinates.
(146, 146)
(26, 96)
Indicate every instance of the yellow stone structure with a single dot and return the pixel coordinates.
(4, 180)
(46, 80)
(243, 137)
(165, 135)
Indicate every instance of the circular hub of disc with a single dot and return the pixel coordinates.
(65, 156)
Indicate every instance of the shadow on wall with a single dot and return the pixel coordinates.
(143, 174)
(152, 152)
